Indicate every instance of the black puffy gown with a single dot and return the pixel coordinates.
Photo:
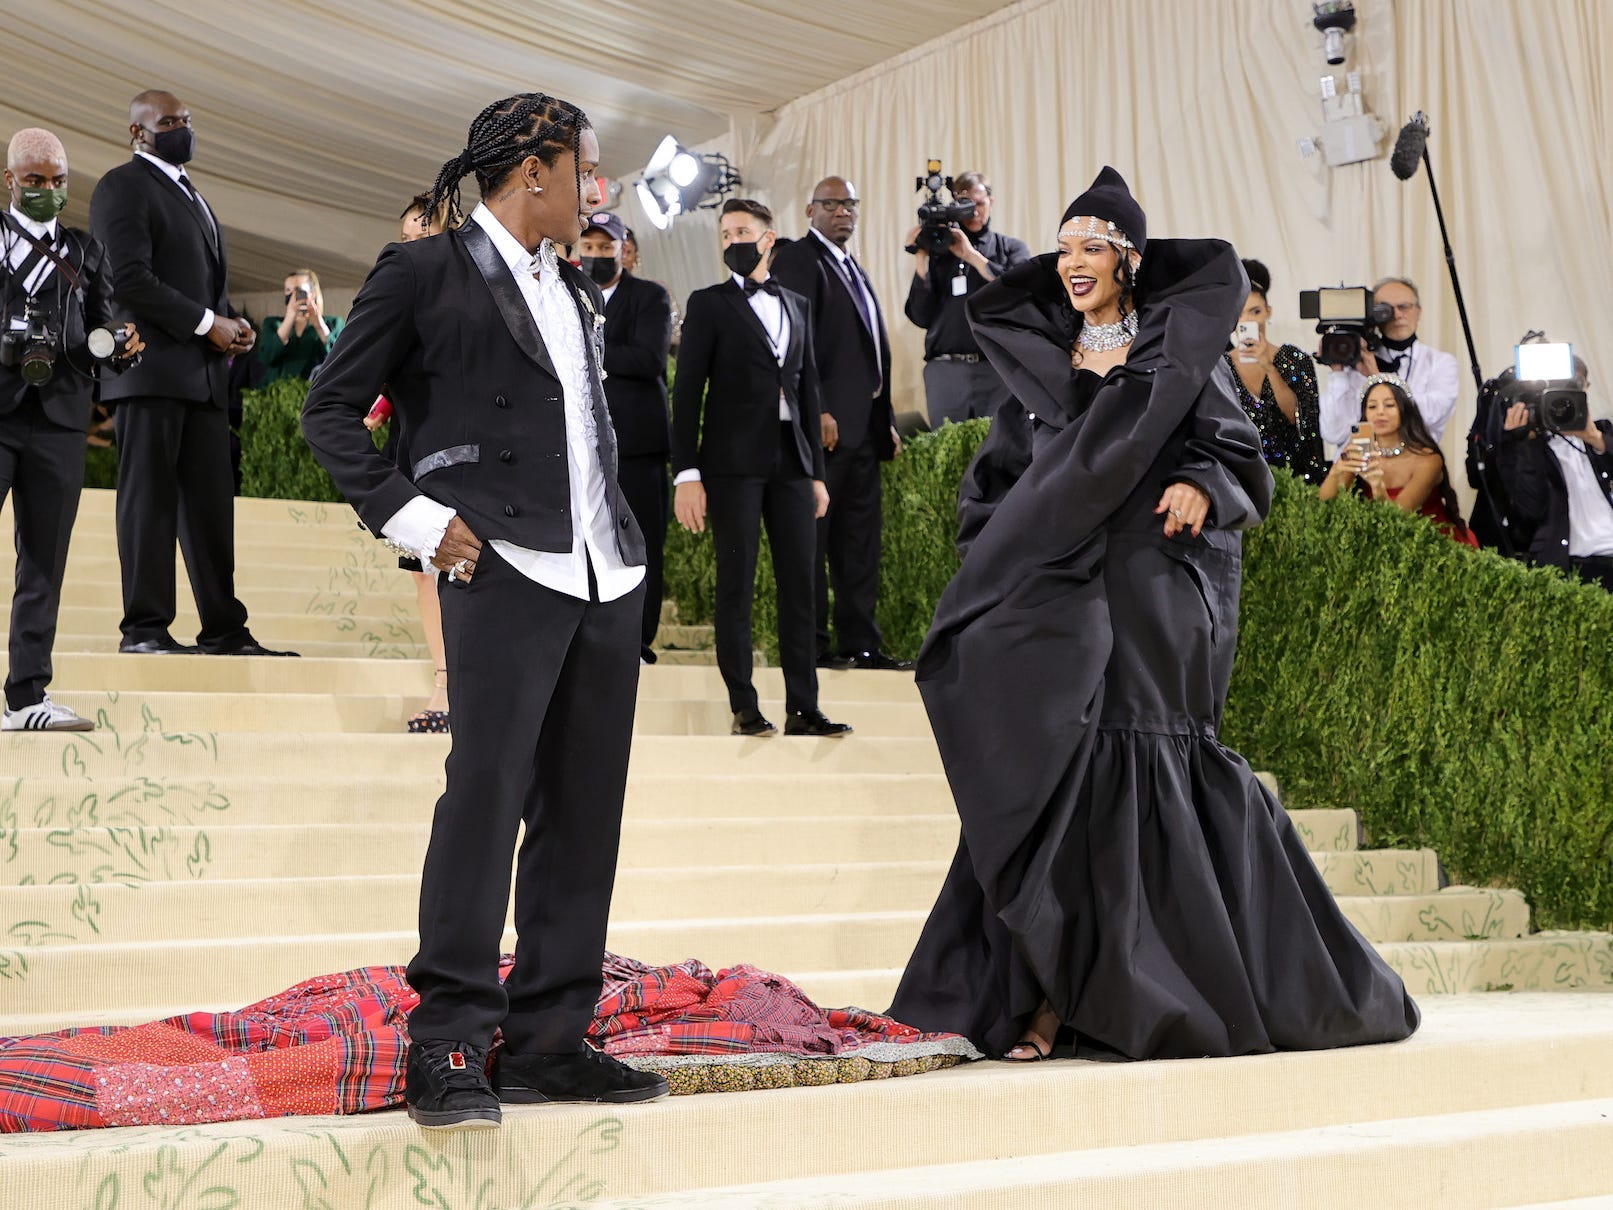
(1115, 855)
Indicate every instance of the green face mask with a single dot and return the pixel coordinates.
(42, 205)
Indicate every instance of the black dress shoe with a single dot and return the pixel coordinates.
(836, 663)
(879, 660)
(749, 722)
(446, 1085)
(250, 647)
(647, 655)
(161, 645)
(586, 1075)
(812, 722)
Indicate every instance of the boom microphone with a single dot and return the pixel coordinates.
(1408, 152)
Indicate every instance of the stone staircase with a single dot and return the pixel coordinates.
(237, 825)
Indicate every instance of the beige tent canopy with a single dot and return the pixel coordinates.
(316, 121)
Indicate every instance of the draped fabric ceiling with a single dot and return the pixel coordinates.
(316, 120)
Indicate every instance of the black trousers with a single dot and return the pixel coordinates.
(647, 485)
(42, 468)
(737, 508)
(174, 480)
(848, 550)
(1596, 569)
(542, 688)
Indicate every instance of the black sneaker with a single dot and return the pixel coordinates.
(585, 1075)
(445, 1084)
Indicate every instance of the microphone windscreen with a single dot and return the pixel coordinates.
(1408, 152)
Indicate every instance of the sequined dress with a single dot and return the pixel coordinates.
(1298, 447)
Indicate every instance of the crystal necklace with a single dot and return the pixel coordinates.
(1389, 453)
(1102, 338)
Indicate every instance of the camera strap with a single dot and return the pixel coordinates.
(44, 251)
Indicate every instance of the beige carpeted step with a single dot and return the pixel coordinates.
(107, 594)
(70, 979)
(170, 836)
(1497, 1053)
(192, 755)
(1462, 1159)
(124, 914)
(348, 714)
(365, 643)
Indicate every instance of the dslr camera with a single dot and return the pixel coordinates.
(1545, 379)
(1345, 316)
(938, 218)
(32, 349)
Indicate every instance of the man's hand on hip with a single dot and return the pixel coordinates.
(458, 551)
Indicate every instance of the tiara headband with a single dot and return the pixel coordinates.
(1096, 229)
(1393, 380)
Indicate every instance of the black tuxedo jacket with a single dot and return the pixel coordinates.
(638, 340)
(166, 271)
(855, 392)
(725, 360)
(69, 397)
(477, 405)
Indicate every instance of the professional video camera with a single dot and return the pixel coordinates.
(1345, 316)
(32, 349)
(937, 218)
(1544, 378)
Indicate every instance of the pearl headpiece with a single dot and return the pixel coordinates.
(1088, 227)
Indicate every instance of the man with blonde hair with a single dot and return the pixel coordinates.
(55, 295)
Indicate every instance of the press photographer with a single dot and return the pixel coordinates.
(1389, 345)
(955, 252)
(56, 336)
(1556, 462)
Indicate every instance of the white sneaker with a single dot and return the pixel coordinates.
(44, 716)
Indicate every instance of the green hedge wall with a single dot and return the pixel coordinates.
(1457, 700)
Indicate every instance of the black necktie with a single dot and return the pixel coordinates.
(207, 215)
(768, 287)
(854, 280)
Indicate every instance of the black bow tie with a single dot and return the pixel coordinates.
(770, 286)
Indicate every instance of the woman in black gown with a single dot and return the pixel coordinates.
(1121, 874)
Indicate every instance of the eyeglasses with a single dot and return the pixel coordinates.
(1402, 308)
(834, 205)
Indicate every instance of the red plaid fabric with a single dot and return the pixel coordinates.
(337, 1044)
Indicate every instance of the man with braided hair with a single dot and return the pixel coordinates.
(505, 480)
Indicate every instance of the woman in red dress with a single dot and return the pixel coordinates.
(1394, 458)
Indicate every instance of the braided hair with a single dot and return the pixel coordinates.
(503, 135)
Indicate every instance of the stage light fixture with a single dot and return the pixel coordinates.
(677, 180)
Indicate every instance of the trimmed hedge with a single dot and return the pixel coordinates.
(1455, 699)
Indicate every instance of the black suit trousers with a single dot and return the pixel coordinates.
(646, 485)
(174, 480)
(848, 550)
(542, 688)
(42, 469)
(737, 507)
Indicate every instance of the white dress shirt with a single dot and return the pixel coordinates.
(176, 174)
(842, 258)
(1433, 378)
(775, 319)
(20, 250)
(1590, 518)
(420, 524)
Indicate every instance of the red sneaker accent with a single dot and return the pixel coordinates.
(456, 1060)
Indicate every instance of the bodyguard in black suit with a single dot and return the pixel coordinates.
(174, 479)
(505, 479)
(638, 339)
(55, 280)
(745, 450)
(852, 352)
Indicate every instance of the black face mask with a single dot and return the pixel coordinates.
(603, 269)
(176, 145)
(742, 258)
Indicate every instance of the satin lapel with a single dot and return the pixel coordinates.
(736, 298)
(506, 294)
